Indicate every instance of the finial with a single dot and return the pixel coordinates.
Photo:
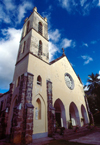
(35, 9)
(63, 51)
(45, 19)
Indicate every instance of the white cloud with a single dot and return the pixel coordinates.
(85, 44)
(55, 40)
(87, 59)
(8, 54)
(47, 14)
(3, 17)
(68, 4)
(82, 2)
(99, 3)
(67, 43)
(99, 72)
(83, 7)
(99, 75)
(22, 10)
(54, 35)
(12, 13)
(9, 4)
(52, 50)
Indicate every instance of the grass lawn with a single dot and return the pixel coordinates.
(63, 142)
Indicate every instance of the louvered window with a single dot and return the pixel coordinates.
(40, 28)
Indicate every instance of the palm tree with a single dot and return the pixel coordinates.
(93, 94)
(94, 83)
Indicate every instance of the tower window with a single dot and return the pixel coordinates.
(40, 48)
(23, 47)
(40, 28)
(39, 80)
(27, 29)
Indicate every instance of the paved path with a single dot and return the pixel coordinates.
(92, 139)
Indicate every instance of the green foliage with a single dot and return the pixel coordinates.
(93, 94)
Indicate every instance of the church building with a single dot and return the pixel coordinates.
(42, 94)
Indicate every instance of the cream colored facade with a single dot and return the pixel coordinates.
(68, 103)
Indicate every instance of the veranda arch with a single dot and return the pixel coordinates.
(60, 114)
(84, 114)
(74, 114)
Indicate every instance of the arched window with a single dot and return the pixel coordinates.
(40, 28)
(40, 48)
(27, 29)
(39, 80)
(23, 47)
(38, 109)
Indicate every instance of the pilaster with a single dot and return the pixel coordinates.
(51, 116)
(22, 122)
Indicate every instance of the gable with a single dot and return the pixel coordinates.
(60, 68)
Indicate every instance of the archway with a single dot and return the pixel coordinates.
(84, 115)
(60, 113)
(74, 114)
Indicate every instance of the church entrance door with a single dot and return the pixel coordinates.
(58, 118)
(60, 113)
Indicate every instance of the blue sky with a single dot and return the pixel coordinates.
(72, 24)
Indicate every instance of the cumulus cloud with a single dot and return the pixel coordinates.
(68, 4)
(52, 50)
(12, 13)
(22, 10)
(9, 4)
(8, 53)
(67, 43)
(82, 2)
(85, 44)
(87, 59)
(99, 3)
(83, 7)
(47, 14)
(54, 35)
(56, 42)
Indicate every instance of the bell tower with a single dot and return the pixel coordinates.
(34, 37)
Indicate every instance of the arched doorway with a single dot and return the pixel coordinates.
(84, 115)
(60, 113)
(74, 114)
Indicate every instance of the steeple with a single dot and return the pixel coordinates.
(34, 37)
